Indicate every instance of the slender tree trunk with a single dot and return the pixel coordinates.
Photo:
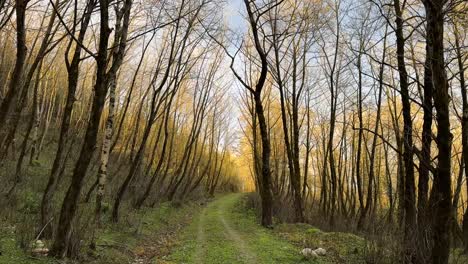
(163, 153)
(425, 159)
(134, 166)
(26, 83)
(111, 79)
(14, 86)
(36, 120)
(293, 170)
(307, 152)
(266, 192)
(218, 174)
(359, 176)
(372, 177)
(60, 247)
(267, 196)
(464, 129)
(31, 122)
(73, 72)
(129, 96)
(410, 189)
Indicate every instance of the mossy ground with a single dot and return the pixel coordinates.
(341, 247)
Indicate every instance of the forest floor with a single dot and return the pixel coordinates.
(141, 236)
(225, 232)
(222, 234)
(221, 231)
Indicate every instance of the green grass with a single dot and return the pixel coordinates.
(11, 253)
(341, 247)
(218, 245)
(147, 233)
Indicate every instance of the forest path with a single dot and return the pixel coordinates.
(224, 233)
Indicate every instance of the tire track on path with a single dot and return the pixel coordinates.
(248, 256)
(201, 242)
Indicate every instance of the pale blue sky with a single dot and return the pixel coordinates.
(234, 10)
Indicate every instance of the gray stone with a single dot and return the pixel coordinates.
(320, 251)
(309, 253)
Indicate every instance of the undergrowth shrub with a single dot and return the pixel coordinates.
(26, 231)
(311, 238)
(379, 243)
(283, 211)
(29, 202)
(252, 201)
(177, 203)
(383, 245)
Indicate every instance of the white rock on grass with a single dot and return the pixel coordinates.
(39, 249)
(320, 251)
(309, 253)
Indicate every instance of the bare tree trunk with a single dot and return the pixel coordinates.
(36, 120)
(410, 189)
(111, 79)
(218, 174)
(267, 197)
(59, 160)
(307, 146)
(31, 122)
(14, 86)
(60, 247)
(129, 96)
(440, 199)
(157, 171)
(265, 193)
(289, 139)
(26, 81)
(464, 128)
(425, 157)
(372, 177)
(359, 176)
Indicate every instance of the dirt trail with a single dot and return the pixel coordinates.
(200, 239)
(232, 234)
(223, 233)
(205, 223)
